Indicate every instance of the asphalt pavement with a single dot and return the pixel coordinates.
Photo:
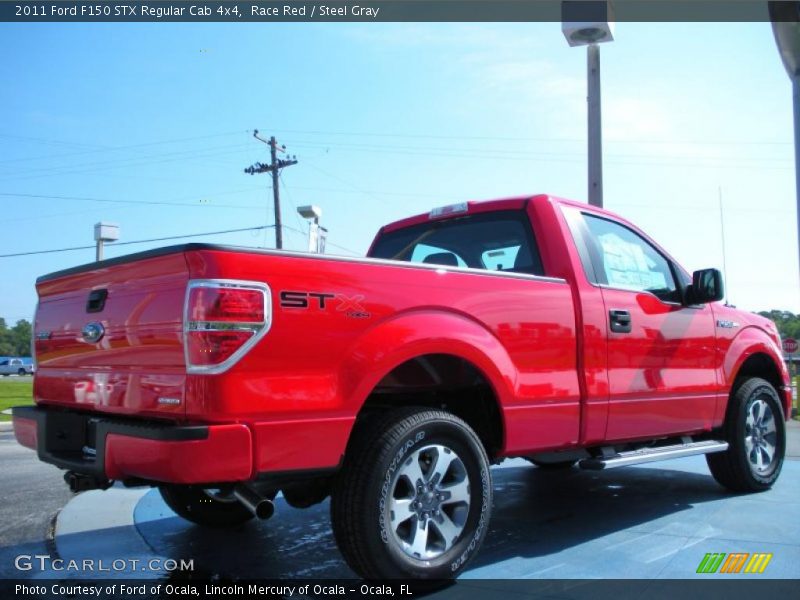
(31, 493)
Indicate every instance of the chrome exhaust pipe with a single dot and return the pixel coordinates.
(261, 507)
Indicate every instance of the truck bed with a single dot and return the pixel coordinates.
(331, 317)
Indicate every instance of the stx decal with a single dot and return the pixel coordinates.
(351, 306)
(304, 299)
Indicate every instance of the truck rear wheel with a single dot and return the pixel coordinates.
(413, 498)
(755, 431)
(209, 507)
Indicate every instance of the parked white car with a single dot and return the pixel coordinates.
(15, 366)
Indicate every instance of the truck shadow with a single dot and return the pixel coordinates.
(537, 514)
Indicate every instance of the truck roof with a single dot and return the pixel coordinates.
(473, 207)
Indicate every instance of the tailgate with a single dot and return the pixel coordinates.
(110, 338)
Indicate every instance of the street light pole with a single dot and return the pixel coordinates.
(796, 94)
(589, 24)
(316, 233)
(595, 126)
(104, 232)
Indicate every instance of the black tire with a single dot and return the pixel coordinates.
(738, 468)
(217, 508)
(561, 465)
(21, 372)
(377, 465)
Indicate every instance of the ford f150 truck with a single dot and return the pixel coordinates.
(528, 327)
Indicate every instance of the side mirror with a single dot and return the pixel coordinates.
(706, 287)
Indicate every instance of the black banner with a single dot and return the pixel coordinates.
(715, 587)
(332, 11)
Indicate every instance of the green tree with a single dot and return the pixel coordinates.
(15, 341)
(6, 345)
(22, 334)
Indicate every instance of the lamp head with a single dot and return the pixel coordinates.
(310, 211)
(585, 23)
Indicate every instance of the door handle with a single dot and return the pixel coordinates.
(619, 321)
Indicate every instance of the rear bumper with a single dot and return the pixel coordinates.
(134, 449)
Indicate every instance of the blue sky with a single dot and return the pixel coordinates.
(389, 120)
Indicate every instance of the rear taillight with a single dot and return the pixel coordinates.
(223, 319)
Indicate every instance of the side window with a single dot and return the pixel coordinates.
(629, 262)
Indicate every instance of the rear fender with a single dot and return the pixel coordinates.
(409, 335)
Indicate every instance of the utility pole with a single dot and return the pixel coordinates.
(274, 167)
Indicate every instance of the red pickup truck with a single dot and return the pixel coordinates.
(528, 327)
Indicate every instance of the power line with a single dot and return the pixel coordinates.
(171, 237)
(328, 243)
(98, 149)
(527, 156)
(136, 161)
(529, 139)
(337, 178)
(49, 142)
(523, 153)
(161, 239)
(291, 201)
(143, 202)
(297, 217)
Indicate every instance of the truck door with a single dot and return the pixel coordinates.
(660, 352)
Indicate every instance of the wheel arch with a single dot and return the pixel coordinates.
(429, 358)
(753, 354)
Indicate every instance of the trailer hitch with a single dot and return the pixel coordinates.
(78, 482)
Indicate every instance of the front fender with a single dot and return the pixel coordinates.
(748, 342)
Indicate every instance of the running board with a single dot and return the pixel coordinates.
(646, 455)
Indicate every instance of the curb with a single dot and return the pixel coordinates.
(6, 426)
(99, 525)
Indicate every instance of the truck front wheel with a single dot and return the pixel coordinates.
(413, 498)
(755, 431)
(209, 507)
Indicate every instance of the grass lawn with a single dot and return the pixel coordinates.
(14, 393)
(18, 393)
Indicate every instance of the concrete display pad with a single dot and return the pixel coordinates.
(646, 522)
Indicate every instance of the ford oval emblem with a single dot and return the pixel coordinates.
(93, 332)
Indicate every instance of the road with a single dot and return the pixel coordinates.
(32, 493)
